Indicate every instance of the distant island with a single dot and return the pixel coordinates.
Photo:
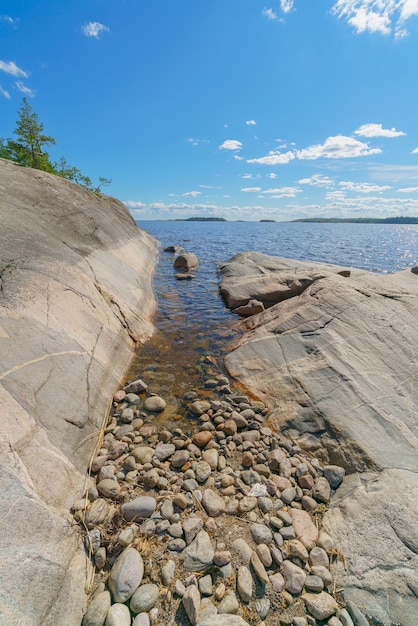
(361, 220)
(200, 219)
(267, 220)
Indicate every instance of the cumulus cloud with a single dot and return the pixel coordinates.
(408, 190)
(272, 175)
(363, 187)
(414, 151)
(94, 29)
(231, 144)
(192, 194)
(10, 67)
(283, 192)
(376, 130)
(269, 14)
(286, 5)
(251, 189)
(26, 90)
(251, 122)
(274, 158)
(4, 93)
(317, 180)
(338, 147)
(376, 16)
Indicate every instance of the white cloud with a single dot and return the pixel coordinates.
(193, 194)
(317, 180)
(10, 67)
(134, 205)
(408, 190)
(376, 130)
(363, 187)
(8, 19)
(338, 147)
(231, 144)
(272, 175)
(26, 90)
(94, 29)
(269, 13)
(251, 122)
(414, 151)
(274, 158)
(283, 192)
(377, 16)
(4, 93)
(249, 176)
(238, 158)
(251, 189)
(286, 5)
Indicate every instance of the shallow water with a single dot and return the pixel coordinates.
(192, 320)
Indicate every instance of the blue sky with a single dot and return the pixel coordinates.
(243, 109)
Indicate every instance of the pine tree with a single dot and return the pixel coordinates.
(29, 148)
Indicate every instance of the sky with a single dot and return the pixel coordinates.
(241, 109)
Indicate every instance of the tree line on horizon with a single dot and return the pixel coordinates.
(28, 149)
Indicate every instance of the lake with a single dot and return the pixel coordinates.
(192, 320)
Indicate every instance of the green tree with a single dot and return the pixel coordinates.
(62, 168)
(29, 147)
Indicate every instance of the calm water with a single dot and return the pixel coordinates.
(192, 320)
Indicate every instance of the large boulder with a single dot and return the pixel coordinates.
(337, 362)
(75, 298)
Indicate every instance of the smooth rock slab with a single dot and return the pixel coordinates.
(126, 575)
(199, 554)
(144, 598)
(139, 508)
(320, 605)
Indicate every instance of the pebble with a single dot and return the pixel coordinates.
(126, 575)
(244, 583)
(118, 615)
(139, 508)
(144, 598)
(235, 465)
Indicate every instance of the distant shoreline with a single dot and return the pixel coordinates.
(360, 220)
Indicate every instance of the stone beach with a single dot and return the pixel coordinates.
(213, 520)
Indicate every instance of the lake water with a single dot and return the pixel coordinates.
(192, 320)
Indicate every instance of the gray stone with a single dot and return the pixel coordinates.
(305, 530)
(143, 454)
(97, 609)
(262, 606)
(164, 451)
(109, 488)
(136, 386)
(345, 618)
(186, 261)
(127, 535)
(138, 509)
(203, 470)
(176, 545)
(334, 475)
(155, 404)
(213, 504)
(191, 603)
(141, 619)
(191, 526)
(229, 604)
(199, 554)
(144, 598)
(100, 558)
(243, 550)
(223, 620)
(321, 490)
(294, 576)
(314, 583)
(126, 575)
(244, 583)
(356, 615)
(179, 458)
(320, 605)
(118, 615)
(205, 585)
(259, 568)
(261, 533)
(167, 509)
(168, 572)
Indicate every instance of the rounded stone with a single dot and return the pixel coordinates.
(164, 451)
(109, 488)
(155, 404)
(294, 576)
(314, 584)
(202, 438)
(320, 605)
(261, 533)
(126, 575)
(213, 504)
(144, 598)
(244, 583)
(97, 609)
(179, 458)
(139, 508)
(118, 615)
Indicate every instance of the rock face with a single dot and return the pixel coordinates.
(334, 356)
(75, 296)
